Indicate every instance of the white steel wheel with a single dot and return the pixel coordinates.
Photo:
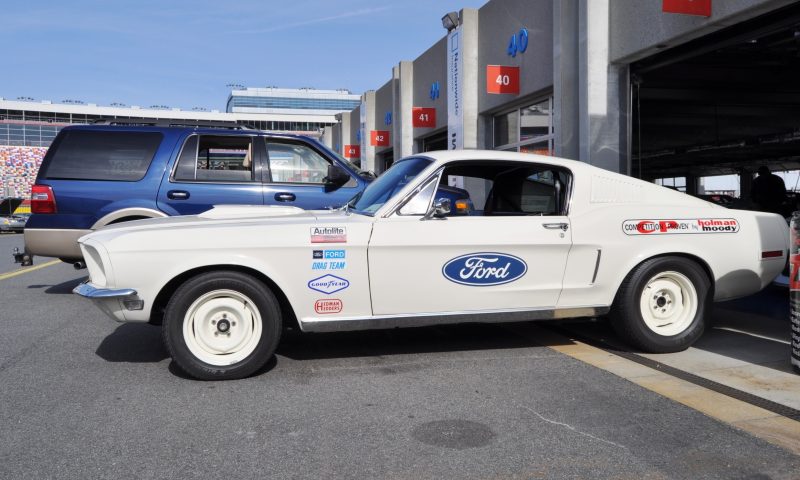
(662, 305)
(222, 327)
(668, 303)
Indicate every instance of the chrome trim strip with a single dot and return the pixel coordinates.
(87, 290)
(425, 319)
(597, 265)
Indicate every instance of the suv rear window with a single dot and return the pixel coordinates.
(101, 155)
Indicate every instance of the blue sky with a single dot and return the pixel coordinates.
(183, 53)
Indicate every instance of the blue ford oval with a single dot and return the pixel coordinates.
(484, 269)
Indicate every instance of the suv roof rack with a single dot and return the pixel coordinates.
(168, 122)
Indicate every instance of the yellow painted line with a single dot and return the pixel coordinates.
(756, 421)
(4, 276)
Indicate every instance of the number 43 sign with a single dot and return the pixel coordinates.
(502, 79)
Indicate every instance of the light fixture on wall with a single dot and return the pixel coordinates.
(450, 21)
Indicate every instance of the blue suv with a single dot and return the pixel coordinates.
(96, 175)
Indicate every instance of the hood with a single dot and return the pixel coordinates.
(224, 216)
(8, 205)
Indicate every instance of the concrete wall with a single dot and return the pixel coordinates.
(501, 19)
(430, 68)
(384, 104)
(640, 25)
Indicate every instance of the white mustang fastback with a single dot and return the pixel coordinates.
(444, 237)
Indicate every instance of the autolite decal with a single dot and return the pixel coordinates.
(330, 305)
(328, 235)
(680, 226)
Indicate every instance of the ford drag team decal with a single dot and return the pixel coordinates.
(484, 269)
(686, 225)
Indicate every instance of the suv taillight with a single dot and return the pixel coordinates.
(42, 199)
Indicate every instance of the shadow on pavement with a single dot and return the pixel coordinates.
(134, 343)
(61, 288)
(373, 343)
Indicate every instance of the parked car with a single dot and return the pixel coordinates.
(10, 221)
(98, 175)
(547, 239)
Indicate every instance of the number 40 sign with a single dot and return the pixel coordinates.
(502, 79)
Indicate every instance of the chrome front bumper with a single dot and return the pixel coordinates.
(87, 290)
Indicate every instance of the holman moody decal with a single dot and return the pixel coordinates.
(484, 269)
(680, 226)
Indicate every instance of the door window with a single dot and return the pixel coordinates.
(207, 158)
(505, 189)
(296, 163)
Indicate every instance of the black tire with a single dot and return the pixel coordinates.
(264, 304)
(626, 313)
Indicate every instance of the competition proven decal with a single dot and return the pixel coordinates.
(680, 226)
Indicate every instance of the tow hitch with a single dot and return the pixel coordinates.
(23, 258)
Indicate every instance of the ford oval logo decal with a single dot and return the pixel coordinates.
(484, 269)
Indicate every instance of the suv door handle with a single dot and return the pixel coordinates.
(178, 195)
(556, 226)
(285, 197)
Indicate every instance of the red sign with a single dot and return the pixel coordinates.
(687, 7)
(328, 305)
(502, 79)
(352, 151)
(379, 138)
(422, 117)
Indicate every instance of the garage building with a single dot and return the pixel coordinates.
(666, 90)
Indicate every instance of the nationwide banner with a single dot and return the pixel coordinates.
(455, 94)
(362, 134)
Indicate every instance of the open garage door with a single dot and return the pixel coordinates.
(723, 104)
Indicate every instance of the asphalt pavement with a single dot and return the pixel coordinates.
(84, 397)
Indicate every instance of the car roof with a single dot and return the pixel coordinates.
(445, 156)
(203, 130)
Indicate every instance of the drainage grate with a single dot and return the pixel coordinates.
(754, 400)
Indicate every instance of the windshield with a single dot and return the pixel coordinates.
(387, 185)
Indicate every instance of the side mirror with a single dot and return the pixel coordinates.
(337, 176)
(440, 209)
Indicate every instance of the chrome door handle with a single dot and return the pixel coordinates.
(556, 226)
(285, 197)
(178, 195)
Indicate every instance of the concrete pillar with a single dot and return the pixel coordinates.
(603, 97)
(368, 125)
(402, 129)
(327, 137)
(692, 184)
(566, 107)
(471, 66)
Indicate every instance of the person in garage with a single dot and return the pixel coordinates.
(768, 191)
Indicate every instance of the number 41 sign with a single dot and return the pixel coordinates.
(422, 117)
(502, 79)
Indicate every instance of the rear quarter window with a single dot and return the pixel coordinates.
(101, 155)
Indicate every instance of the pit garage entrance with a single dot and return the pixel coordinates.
(723, 104)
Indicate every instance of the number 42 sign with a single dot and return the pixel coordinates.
(502, 79)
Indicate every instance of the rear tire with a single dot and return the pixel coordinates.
(222, 325)
(662, 305)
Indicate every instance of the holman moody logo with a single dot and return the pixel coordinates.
(328, 284)
(484, 269)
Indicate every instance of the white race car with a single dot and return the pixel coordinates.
(525, 237)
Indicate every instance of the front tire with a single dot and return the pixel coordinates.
(662, 305)
(222, 325)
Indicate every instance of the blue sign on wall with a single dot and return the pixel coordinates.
(434, 93)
